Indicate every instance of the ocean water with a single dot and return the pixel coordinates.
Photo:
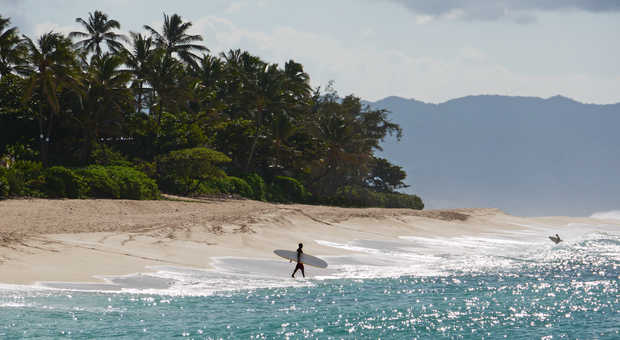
(515, 285)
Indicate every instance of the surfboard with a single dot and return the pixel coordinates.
(305, 258)
(555, 240)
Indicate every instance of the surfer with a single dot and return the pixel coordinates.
(299, 265)
(555, 238)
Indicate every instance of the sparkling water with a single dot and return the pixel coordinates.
(515, 285)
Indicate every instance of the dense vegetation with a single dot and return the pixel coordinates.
(100, 114)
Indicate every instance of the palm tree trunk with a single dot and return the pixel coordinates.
(43, 137)
(247, 165)
(87, 146)
(253, 148)
(161, 112)
(139, 108)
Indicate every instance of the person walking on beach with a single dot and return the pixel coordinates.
(299, 265)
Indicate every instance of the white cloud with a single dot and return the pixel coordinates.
(520, 11)
(432, 55)
(45, 27)
(423, 19)
(368, 33)
(235, 6)
(374, 73)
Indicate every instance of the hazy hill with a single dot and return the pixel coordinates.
(524, 155)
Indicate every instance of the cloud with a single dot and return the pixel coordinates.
(9, 3)
(45, 27)
(520, 11)
(235, 6)
(15, 10)
(374, 73)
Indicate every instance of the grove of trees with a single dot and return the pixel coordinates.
(100, 114)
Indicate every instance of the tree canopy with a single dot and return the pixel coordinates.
(160, 103)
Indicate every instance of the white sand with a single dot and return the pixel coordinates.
(75, 240)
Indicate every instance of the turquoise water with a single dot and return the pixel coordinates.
(491, 286)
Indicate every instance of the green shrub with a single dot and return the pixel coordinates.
(25, 178)
(207, 187)
(4, 184)
(148, 168)
(104, 155)
(183, 171)
(133, 184)
(238, 186)
(30, 169)
(21, 151)
(118, 182)
(356, 196)
(63, 182)
(16, 182)
(99, 182)
(259, 188)
(224, 185)
(398, 200)
(286, 189)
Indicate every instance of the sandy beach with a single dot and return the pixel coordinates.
(77, 240)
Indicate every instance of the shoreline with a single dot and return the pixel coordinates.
(80, 240)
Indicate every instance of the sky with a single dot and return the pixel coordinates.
(428, 50)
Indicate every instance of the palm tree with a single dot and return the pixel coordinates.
(207, 93)
(297, 82)
(282, 128)
(174, 39)
(255, 90)
(12, 49)
(269, 102)
(210, 71)
(350, 132)
(165, 74)
(53, 68)
(106, 98)
(240, 87)
(98, 30)
(138, 59)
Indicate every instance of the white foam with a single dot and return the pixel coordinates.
(607, 215)
(14, 305)
(408, 255)
(348, 247)
(501, 250)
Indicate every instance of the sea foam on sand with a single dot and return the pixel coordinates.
(206, 247)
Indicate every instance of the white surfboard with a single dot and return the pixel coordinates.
(305, 258)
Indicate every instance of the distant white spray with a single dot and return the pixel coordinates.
(607, 215)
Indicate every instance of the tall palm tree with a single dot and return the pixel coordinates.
(53, 68)
(240, 87)
(175, 39)
(297, 82)
(98, 30)
(269, 102)
(255, 91)
(138, 59)
(209, 75)
(165, 74)
(105, 99)
(210, 71)
(350, 133)
(282, 128)
(12, 49)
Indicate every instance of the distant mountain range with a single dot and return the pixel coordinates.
(525, 155)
